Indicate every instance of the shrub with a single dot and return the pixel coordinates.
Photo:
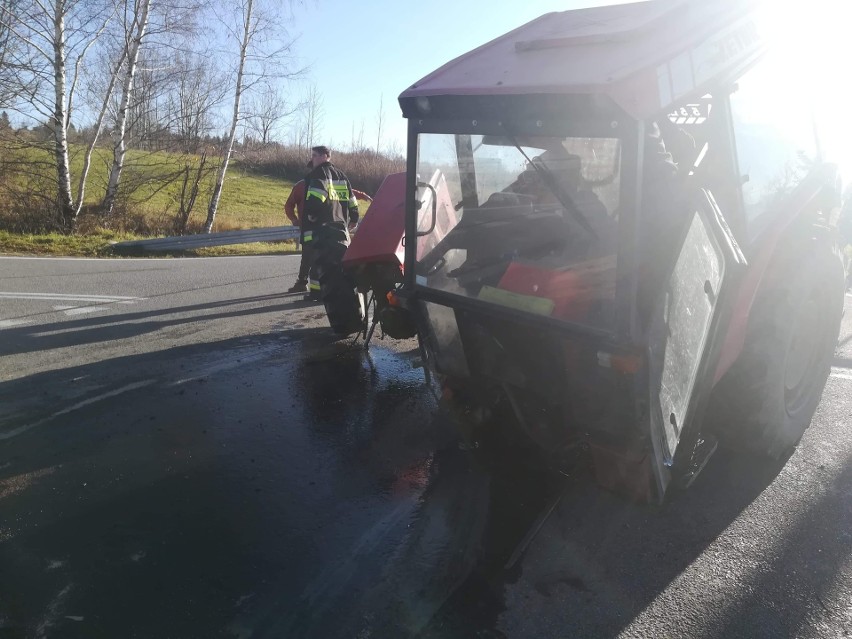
(365, 168)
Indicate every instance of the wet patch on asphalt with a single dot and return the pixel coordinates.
(293, 485)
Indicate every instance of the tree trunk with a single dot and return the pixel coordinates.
(60, 122)
(380, 118)
(187, 203)
(120, 147)
(87, 160)
(226, 156)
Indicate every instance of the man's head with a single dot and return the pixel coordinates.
(566, 167)
(319, 155)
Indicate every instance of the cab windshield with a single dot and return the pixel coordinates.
(526, 222)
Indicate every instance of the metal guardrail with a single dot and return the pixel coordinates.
(201, 240)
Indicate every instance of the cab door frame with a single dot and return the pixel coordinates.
(686, 334)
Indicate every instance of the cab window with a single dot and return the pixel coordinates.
(775, 141)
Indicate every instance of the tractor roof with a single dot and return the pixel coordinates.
(646, 56)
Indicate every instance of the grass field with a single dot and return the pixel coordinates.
(152, 194)
(151, 185)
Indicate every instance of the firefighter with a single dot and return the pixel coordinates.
(331, 209)
(293, 209)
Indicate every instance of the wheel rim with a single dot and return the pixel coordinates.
(803, 355)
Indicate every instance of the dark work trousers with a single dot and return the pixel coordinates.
(308, 257)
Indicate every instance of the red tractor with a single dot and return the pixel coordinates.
(618, 230)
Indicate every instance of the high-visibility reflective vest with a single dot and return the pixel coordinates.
(329, 198)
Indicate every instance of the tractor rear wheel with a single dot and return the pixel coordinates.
(766, 401)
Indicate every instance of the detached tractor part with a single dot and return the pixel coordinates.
(375, 257)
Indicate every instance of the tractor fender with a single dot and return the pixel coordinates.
(777, 243)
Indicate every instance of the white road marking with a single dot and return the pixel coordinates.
(80, 310)
(80, 302)
(10, 323)
(842, 374)
(218, 368)
(52, 612)
(86, 402)
(64, 297)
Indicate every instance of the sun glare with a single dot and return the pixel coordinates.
(814, 52)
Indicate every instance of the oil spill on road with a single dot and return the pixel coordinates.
(269, 489)
(452, 519)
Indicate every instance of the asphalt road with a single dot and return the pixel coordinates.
(187, 452)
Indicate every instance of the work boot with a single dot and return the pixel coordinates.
(299, 287)
(313, 295)
(313, 289)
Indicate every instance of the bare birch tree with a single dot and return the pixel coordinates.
(255, 33)
(266, 110)
(197, 91)
(138, 26)
(44, 35)
(145, 122)
(357, 141)
(314, 112)
(152, 31)
(8, 16)
(106, 96)
(245, 40)
(380, 120)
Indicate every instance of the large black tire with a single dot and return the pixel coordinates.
(766, 401)
(343, 305)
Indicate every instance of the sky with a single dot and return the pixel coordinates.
(381, 47)
(384, 46)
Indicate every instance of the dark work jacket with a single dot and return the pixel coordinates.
(329, 199)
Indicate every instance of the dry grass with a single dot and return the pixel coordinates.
(365, 169)
(257, 184)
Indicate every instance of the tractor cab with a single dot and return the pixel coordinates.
(573, 229)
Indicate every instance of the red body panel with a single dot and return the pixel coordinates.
(759, 259)
(379, 236)
(570, 295)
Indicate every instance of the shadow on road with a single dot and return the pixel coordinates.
(39, 396)
(792, 591)
(604, 559)
(101, 328)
